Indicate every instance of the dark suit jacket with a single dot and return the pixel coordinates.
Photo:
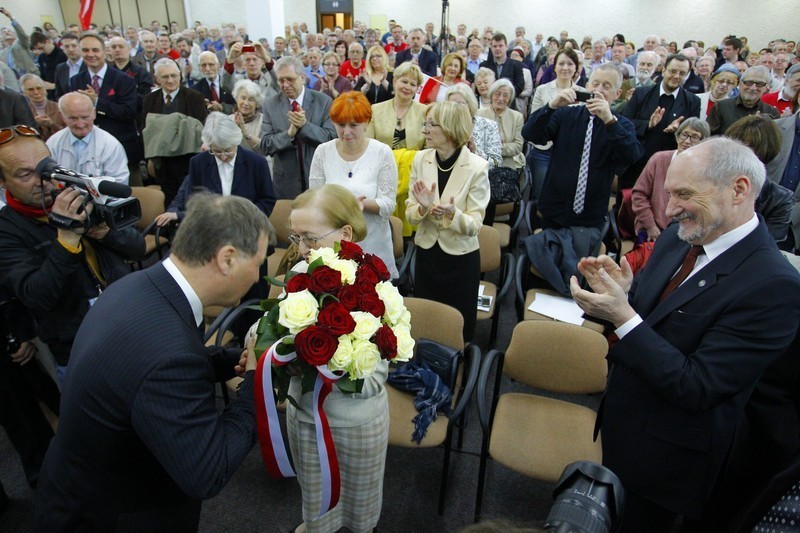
(117, 106)
(224, 93)
(14, 110)
(680, 380)
(511, 70)
(641, 105)
(143, 79)
(62, 79)
(189, 102)
(251, 180)
(140, 440)
(428, 61)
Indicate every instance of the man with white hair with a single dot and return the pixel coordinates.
(296, 121)
(218, 95)
(16, 52)
(752, 86)
(149, 54)
(598, 56)
(782, 99)
(692, 83)
(84, 147)
(778, 77)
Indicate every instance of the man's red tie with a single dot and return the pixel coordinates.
(686, 267)
(214, 95)
(299, 144)
(96, 84)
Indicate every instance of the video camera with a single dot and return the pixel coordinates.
(112, 202)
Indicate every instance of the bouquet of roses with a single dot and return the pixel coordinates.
(342, 314)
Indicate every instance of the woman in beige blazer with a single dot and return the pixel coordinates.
(510, 122)
(447, 267)
(398, 122)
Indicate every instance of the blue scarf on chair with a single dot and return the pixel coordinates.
(432, 394)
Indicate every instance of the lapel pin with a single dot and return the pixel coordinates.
(701, 283)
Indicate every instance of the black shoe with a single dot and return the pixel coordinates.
(4, 501)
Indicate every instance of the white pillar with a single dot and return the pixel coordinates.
(265, 18)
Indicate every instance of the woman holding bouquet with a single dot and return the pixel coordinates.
(363, 166)
(449, 192)
(359, 422)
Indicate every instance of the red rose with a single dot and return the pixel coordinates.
(371, 304)
(386, 341)
(377, 264)
(325, 279)
(366, 274)
(350, 250)
(315, 345)
(348, 297)
(298, 282)
(336, 318)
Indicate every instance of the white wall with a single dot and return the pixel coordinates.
(677, 20)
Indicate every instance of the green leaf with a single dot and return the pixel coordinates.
(350, 386)
(337, 246)
(309, 378)
(313, 266)
(325, 296)
(268, 305)
(275, 281)
(285, 347)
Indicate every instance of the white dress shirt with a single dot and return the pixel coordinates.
(225, 174)
(186, 288)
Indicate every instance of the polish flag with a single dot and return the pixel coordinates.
(428, 84)
(85, 14)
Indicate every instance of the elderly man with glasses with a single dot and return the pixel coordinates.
(753, 85)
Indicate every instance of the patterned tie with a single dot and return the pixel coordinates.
(168, 100)
(686, 268)
(214, 94)
(96, 84)
(299, 144)
(583, 171)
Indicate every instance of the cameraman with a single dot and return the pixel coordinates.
(56, 273)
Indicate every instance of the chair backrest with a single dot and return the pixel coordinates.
(557, 357)
(397, 236)
(280, 220)
(436, 321)
(152, 202)
(489, 242)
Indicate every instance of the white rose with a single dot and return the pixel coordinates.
(327, 254)
(298, 311)
(365, 358)
(405, 319)
(347, 267)
(392, 300)
(366, 325)
(405, 343)
(343, 356)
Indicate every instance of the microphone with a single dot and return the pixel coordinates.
(49, 170)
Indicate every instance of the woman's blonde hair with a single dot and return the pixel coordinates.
(384, 59)
(408, 69)
(339, 206)
(454, 119)
(464, 90)
(451, 56)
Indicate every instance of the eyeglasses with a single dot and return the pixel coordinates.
(219, 153)
(687, 136)
(310, 242)
(330, 64)
(759, 84)
(6, 134)
(428, 125)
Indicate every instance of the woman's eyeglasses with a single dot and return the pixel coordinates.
(310, 242)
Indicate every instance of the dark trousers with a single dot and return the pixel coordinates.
(170, 172)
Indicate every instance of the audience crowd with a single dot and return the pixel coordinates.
(419, 125)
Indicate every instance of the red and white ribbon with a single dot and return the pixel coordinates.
(273, 448)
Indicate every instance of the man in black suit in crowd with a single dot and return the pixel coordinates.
(172, 97)
(69, 68)
(217, 94)
(427, 60)
(713, 309)
(140, 441)
(121, 54)
(657, 112)
(113, 93)
(502, 66)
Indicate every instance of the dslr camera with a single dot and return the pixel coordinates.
(112, 202)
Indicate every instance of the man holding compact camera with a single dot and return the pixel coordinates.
(57, 273)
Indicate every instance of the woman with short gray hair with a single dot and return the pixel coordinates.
(248, 116)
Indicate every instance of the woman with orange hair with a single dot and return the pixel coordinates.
(363, 166)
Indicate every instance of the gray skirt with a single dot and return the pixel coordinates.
(361, 451)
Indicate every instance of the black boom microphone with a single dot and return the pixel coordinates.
(49, 170)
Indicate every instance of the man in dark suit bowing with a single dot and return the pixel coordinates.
(715, 307)
(502, 66)
(295, 122)
(140, 441)
(657, 112)
(172, 97)
(427, 60)
(113, 93)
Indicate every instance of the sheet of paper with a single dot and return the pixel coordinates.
(557, 307)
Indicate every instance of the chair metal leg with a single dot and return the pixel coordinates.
(445, 471)
(481, 477)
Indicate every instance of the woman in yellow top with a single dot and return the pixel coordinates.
(449, 192)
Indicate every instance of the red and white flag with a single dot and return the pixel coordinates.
(428, 85)
(85, 14)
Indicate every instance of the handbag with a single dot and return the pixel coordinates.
(439, 358)
(504, 184)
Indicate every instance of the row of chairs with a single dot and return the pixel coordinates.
(524, 431)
